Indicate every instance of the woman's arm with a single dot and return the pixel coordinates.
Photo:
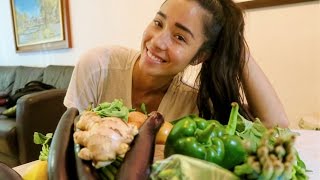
(262, 99)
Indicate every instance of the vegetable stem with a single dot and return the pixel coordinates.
(232, 124)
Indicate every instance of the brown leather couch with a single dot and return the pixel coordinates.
(36, 112)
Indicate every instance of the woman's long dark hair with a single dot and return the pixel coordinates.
(220, 75)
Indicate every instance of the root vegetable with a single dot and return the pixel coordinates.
(103, 138)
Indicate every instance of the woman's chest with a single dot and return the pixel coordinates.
(151, 102)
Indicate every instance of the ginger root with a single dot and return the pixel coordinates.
(103, 139)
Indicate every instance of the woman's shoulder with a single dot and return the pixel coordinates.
(105, 55)
(122, 57)
(109, 51)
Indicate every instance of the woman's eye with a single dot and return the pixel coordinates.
(180, 38)
(157, 23)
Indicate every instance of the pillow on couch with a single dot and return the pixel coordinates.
(58, 76)
(7, 76)
(3, 94)
(26, 74)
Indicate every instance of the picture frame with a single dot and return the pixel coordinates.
(253, 4)
(40, 25)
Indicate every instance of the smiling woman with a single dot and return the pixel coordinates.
(182, 33)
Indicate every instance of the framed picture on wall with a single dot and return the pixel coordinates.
(40, 24)
(252, 4)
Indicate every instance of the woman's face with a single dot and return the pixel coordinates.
(172, 39)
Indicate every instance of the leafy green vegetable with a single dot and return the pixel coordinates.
(271, 161)
(252, 133)
(113, 109)
(45, 141)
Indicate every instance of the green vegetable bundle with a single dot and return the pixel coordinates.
(272, 160)
(110, 171)
(271, 153)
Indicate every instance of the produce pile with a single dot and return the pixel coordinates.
(114, 137)
(247, 149)
(120, 144)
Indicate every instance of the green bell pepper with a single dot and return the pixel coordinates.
(207, 139)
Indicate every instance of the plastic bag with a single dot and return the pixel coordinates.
(184, 167)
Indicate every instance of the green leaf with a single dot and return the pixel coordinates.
(113, 109)
(251, 132)
(144, 109)
(44, 140)
(44, 152)
(39, 138)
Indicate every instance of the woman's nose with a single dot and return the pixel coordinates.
(161, 40)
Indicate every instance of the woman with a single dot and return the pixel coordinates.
(183, 33)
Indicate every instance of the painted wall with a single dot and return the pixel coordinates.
(285, 41)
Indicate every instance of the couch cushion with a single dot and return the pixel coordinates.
(8, 137)
(2, 108)
(7, 75)
(11, 161)
(26, 74)
(58, 76)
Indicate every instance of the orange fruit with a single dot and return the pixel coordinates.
(136, 118)
(163, 133)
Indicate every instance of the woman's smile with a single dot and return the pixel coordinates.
(154, 57)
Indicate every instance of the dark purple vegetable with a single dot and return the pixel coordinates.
(8, 173)
(137, 162)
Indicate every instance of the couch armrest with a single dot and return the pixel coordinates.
(37, 112)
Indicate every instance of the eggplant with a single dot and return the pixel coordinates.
(8, 173)
(61, 162)
(138, 160)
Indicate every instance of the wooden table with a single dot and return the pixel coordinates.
(307, 145)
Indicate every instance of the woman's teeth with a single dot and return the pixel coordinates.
(154, 57)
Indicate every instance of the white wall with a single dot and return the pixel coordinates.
(285, 40)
